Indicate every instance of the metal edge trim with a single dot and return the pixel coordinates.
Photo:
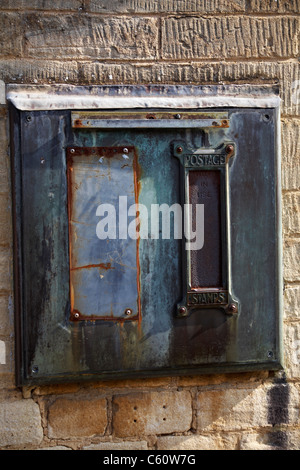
(58, 97)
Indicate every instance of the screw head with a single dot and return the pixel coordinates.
(76, 315)
(182, 310)
(229, 148)
(72, 151)
(128, 311)
(125, 150)
(233, 308)
(177, 116)
(179, 150)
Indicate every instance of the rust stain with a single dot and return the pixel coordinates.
(105, 266)
(224, 124)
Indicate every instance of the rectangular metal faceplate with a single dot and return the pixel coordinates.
(103, 270)
(147, 231)
(154, 119)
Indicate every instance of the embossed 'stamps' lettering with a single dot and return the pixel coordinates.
(207, 298)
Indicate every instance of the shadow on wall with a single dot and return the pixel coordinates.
(245, 408)
(278, 412)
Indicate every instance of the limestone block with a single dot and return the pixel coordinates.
(77, 417)
(151, 413)
(90, 37)
(244, 408)
(291, 260)
(230, 37)
(20, 424)
(197, 442)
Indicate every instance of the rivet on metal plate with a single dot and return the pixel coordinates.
(232, 308)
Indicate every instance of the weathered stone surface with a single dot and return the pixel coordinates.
(197, 442)
(20, 424)
(90, 37)
(292, 349)
(5, 219)
(291, 213)
(230, 37)
(38, 71)
(125, 445)
(95, 72)
(56, 389)
(258, 442)
(190, 6)
(6, 269)
(6, 316)
(293, 439)
(242, 408)
(75, 5)
(5, 188)
(291, 302)
(55, 448)
(169, 6)
(155, 6)
(286, 74)
(290, 154)
(217, 379)
(151, 413)
(291, 260)
(77, 417)
(281, 6)
(11, 35)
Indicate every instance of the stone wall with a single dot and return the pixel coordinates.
(174, 42)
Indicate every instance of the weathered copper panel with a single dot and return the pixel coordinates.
(206, 264)
(91, 308)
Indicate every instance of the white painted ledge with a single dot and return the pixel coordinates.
(56, 97)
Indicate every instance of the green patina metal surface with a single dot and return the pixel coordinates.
(55, 345)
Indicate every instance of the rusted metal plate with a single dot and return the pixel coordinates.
(104, 268)
(154, 119)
